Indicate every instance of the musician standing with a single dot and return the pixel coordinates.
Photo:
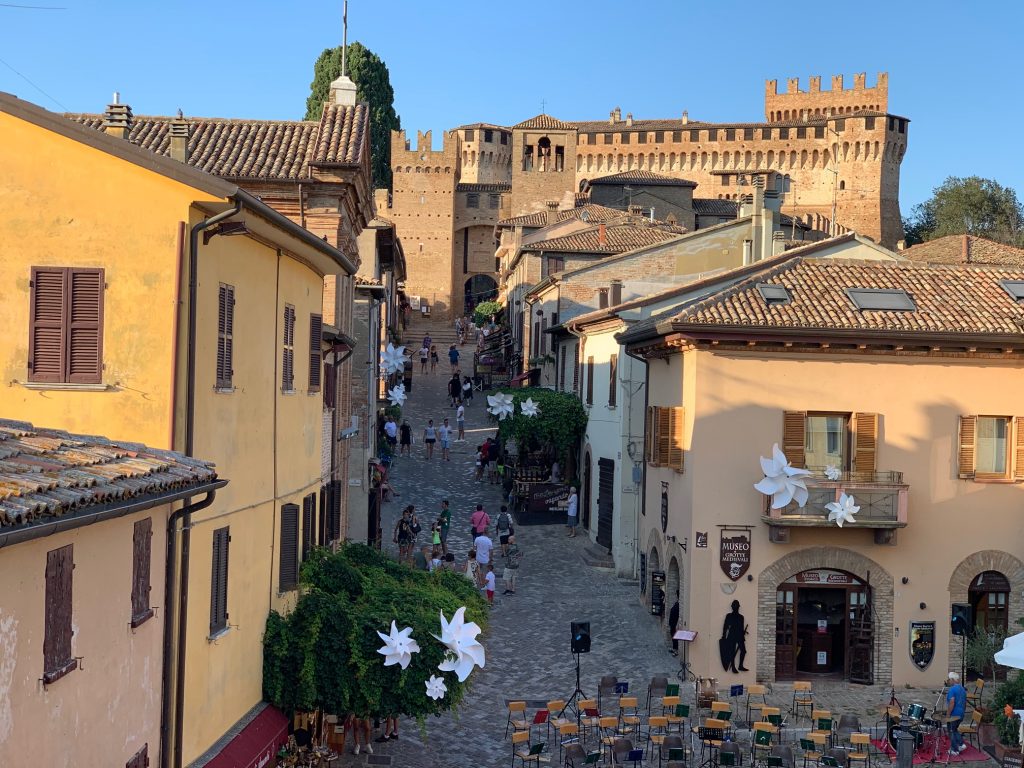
(956, 705)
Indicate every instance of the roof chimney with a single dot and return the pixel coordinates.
(552, 211)
(602, 298)
(901, 245)
(615, 292)
(965, 250)
(635, 210)
(343, 92)
(117, 120)
(616, 115)
(602, 235)
(629, 118)
(686, 117)
(180, 130)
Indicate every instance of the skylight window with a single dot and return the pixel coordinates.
(774, 295)
(1015, 288)
(881, 299)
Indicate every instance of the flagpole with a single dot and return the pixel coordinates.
(344, 37)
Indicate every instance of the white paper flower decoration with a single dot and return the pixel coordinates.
(464, 651)
(500, 405)
(398, 646)
(529, 408)
(842, 511)
(436, 688)
(832, 472)
(397, 394)
(393, 358)
(782, 482)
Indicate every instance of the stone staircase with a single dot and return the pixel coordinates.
(441, 332)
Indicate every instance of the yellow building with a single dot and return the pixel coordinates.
(110, 331)
(894, 383)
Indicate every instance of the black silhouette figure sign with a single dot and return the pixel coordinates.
(734, 632)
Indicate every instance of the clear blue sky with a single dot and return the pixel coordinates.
(950, 64)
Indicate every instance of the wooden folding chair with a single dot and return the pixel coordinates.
(516, 717)
(524, 751)
(803, 698)
(761, 742)
(861, 750)
(970, 729)
(754, 705)
(629, 717)
(568, 733)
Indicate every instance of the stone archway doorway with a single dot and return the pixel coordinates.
(477, 289)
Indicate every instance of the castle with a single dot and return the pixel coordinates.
(833, 154)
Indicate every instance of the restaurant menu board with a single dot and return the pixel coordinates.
(658, 593)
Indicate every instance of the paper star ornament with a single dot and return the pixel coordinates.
(842, 511)
(397, 394)
(436, 688)
(784, 483)
(392, 359)
(464, 651)
(398, 646)
(529, 408)
(500, 405)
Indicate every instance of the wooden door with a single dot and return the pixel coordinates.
(860, 637)
(587, 479)
(785, 632)
(605, 501)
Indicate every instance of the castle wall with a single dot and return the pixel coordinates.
(544, 178)
(794, 104)
(486, 155)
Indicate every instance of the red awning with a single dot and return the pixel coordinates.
(257, 744)
(519, 379)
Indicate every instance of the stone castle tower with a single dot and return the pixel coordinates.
(834, 156)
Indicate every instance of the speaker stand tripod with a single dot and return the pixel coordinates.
(577, 694)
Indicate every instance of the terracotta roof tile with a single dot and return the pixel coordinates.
(544, 122)
(643, 177)
(618, 239)
(341, 134)
(48, 473)
(965, 249)
(588, 211)
(704, 206)
(947, 299)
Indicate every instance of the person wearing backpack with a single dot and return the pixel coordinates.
(505, 529)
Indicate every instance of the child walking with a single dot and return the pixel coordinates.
(489, 584)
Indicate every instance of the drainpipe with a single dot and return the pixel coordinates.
(641, 546)
(184, 513)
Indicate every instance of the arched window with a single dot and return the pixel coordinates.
(842, 184)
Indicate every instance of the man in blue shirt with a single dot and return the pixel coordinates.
(956, 704)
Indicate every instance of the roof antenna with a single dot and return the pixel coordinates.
(344, 38)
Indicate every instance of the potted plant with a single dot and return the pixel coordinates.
(1008, 697)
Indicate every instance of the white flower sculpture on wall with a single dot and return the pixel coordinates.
(398, 646)
(529, 408)
(397, 394)
(832, 472)
(436, 688)
(500, 405)
(464, 651)
(842, 511)
(392, 359)
(782, 482)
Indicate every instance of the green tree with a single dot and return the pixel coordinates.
(373, 85)
(559, 425)
(971, 206)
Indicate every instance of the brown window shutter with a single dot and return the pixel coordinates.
(288, 576)
(590, 380)
(575, 369)
(308, 524)
(288, 350)
(219, 580)
(561, 371)
(46, 342)
(794, 437)
(316, 324)
(535, 341)
(140, 759)
(650, 426)
(968, 436)
(675, 452)
(543, 336)
(225, 335)
(142, 555)
(1018, 458)
(613, 376)
(85, 326)
(58, 659)
(664, 436)
(865, 442)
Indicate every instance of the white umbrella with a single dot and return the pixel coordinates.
(1012, 654)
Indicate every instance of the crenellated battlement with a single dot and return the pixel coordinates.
(796, 104)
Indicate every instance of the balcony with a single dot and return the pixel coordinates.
(881, 496)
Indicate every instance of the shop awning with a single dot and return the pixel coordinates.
(256, 744)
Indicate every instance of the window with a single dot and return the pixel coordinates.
(576, 351)
(219, 581)
(1015, 288)
(724, 178)
(992, 447)
(58, 659)
(694, 135)
(142, 558)
(712, 134)
(225, 335)
(659, 136)
(470, 134)
(553, 264)
(493, 201)
(609, 138)
(730, 134)
(819, 131)
(489, 136)
(801, 132)
(624, 138)
(881, 299)
(773, 295)
(66, 326)
(308, 523)
(316, 325)
(826, 441)
(472, 200)
(663, 437)
(641, 138)
(504, 137)
(817, 440)
(677, 136)
(288, 350)
(783, 133)
(869, 123)
(590, 380)
(748, 134)
(288, 572)
(613, 376)
(840, 124)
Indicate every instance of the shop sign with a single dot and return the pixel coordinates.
(922, 643)
(702, 539)
(664, 508)
(734, 555)
(823, 576)
(658, 593)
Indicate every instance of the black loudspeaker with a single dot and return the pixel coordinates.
(580, 640)
(961, 619)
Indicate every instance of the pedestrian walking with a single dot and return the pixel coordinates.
(479, 520)
(390, 732)
(444, 434)
(513, 558)
(435, 538)
(433, 358)
(403, 535)
(479, 464)
(424, 355)
(473, 568)
(429, 438)
(460, 422)
(454, 390)
(391, 431)
(361, 730)
(467, 389)
(673, 624)
(489, 584)
(956, 706)
(484, 546)
(453, 358)
(405, 439)
(499, 471)
(505, 529)
(446, 523)
(485, 457)
(427, 341)
(572, 518)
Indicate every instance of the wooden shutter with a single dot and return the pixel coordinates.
(664, 436)
(968, 438)
(590, 380)
(561, 369)
(219, 581)
(865, 442)
(794, 437)
(58, 659)
(46, 342)
(1018, 459)
(225, 335)
(142, 556)
(308, 525)
(140, 759)
(576, 369)
(535, 341)
(85, 327)
(334, 512)
(675, 451)
(288, 350)
(613, 375)
(288, 578)
(316, 324)
(650, 426)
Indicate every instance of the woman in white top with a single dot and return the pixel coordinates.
(460, 422)
(429, 438)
